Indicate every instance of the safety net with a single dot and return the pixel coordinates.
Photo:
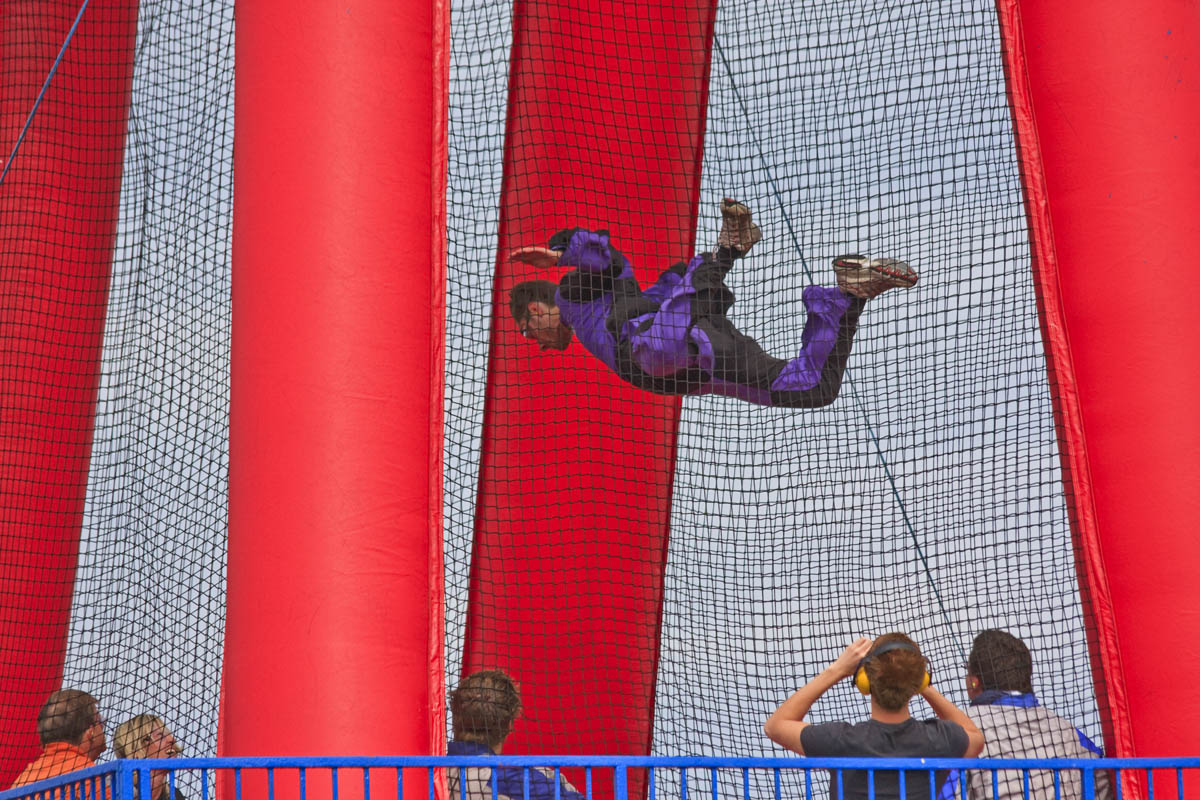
(659, 575)
(115, 232)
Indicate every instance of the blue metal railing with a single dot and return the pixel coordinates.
(657, 778)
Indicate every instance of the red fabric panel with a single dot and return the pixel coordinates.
(575, 483)
(332, 639)
(1093, 585)
(58, 216)
(435, 667)
(1114, 98)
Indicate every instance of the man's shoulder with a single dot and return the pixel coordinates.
(940, 727)
(933, 738)
(24, 779)
(837, 726)
(999, 714)
(819, 738)
(55, 759)
(1015, 732)
(834, 739)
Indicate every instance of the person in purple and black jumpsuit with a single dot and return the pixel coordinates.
(674, 338)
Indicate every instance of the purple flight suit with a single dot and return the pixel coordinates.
(674, 338)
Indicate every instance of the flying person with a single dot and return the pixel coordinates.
(674, 338)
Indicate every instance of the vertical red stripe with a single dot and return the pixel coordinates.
(605, 129)
(1093, 585)
(333, 603)
(58, 217)
(438, 245)
(1110, 108)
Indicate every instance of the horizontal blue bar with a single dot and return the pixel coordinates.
(98, 771)
(118, 774)
(792, 762)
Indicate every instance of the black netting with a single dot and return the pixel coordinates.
(480, 40)
(147, 611)
(928, 497)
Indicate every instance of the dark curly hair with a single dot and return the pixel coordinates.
(484, 706)
(1002, 662)
(896, 675)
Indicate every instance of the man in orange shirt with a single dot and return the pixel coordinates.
(72, 735)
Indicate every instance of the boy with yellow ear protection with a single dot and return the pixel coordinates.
(891, 670)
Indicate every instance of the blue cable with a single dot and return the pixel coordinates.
(45, 85)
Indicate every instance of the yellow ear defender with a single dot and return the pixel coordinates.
(860, 672)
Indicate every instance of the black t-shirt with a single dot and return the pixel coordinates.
(932, 738)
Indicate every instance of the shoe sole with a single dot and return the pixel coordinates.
(906, 279)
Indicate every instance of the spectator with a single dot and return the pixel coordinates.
(1003, 705)
(891, 670)
(484, 706)
(72, 735)
(147, 736)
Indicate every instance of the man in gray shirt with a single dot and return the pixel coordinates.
(1016, 725)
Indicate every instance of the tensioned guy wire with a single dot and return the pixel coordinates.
(847, 381)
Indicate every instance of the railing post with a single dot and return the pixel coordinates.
(124, 780)
(620, 783)
(1089, 783)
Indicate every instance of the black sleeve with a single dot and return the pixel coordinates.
(826, 739)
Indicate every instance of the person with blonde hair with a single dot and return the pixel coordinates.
(147, 736)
